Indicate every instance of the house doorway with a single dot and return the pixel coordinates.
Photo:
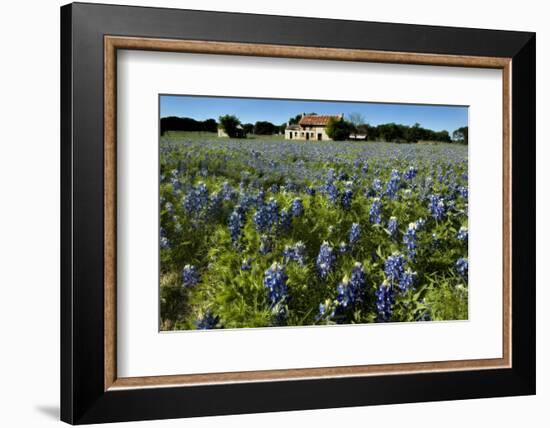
(319, 137)
(307, 135)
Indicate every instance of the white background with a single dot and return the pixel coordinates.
(29, 216)
(142, 351)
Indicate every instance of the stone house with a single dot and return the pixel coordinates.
(311, 127)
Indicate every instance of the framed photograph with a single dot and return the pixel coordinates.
(266, 213)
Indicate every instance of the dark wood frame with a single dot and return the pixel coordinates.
(90, 35)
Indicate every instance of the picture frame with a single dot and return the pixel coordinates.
(91, 391)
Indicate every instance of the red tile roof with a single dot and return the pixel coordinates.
(317, 120)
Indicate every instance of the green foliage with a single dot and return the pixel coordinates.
(339, 129)
(460, 135)
(265, 128)
(230, 125)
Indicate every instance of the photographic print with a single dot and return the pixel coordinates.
(281, 212)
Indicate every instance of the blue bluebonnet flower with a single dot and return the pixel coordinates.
(342, 247)
(392, 225)
(216, 200)
(358, 282)
(462, 234)
(196, 200)
(274, 188)
(322, 311)
(169, 208)
(325, 260)
(377, 185)
(331, 191)
(394, 267)
(295, 252)
(365, 167)
(236, 223)
(227, 192)
(246, 264)
(207, 322)
(462, 267)
(344, 297)
(437, 206)
(265, 244)
(393, 184)
(310, 190)
(410, 173)
(347, 196)
(275, 282)
(463, 191)
(273, 212)
(354, 233)
(407, 280)
(174, 180)
(164, 242)
(190, 276)
(374, 212)
(297, 207)
(267, 215)
(285, 220)
(385, 299)
(409, 239)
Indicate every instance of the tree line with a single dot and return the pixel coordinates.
(336, 129)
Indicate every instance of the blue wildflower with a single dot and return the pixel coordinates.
(407, 280)
(354, 233)
(207, 322)
(462, 234)
(343, 247)
(358, 282)
(347, 196)
(385, 299)
(164, 242)
(394, 267)
(310, 191)
(437, 206)
(374, 212)
(297, 207)
(410, 173)
(325, 260)
(246, 264)
(393, 184)
(265, 244)
(196, 200)
(463, 191)
(392, 225)
(236, 223)
(462, 267)
(295, 252)
(376, 185)
(190, 276)
(409, 239)
(275, 282)
(285, 220)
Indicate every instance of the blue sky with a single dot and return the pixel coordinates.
(278, 111)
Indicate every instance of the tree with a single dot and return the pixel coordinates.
(209, 125)
(460, 135)
(339, 129)
(357, 119)
(248, 128)
(230, 124)
(264, 128)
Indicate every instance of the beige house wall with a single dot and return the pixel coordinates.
(313, 132)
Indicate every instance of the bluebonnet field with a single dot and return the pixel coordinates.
(259, 233)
